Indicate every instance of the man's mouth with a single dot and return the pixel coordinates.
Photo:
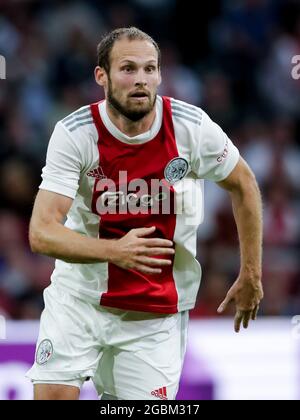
(139, 95)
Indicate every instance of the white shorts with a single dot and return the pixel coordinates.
(129, 355)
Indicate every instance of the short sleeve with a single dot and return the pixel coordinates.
(61, 173)
(214, 156)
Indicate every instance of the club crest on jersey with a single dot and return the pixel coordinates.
(176, 170)
(44, 352)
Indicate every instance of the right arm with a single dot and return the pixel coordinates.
(48, 236)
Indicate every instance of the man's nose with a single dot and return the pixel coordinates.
(141, 79)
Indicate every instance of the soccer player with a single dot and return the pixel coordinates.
(126, 173)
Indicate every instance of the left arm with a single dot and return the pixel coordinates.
(247, 291)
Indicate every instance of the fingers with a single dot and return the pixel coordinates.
(154, 261)
(244, 317)
(148, 270)
(157, 242)
(158, 251)
(140, 232)
(140, 252)
(224, 304)
(254, 313)
(237, 321)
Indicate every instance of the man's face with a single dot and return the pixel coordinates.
(131, 85)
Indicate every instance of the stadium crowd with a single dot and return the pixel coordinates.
(233, 59)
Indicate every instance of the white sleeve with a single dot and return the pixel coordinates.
(214, 155)
(63, 164)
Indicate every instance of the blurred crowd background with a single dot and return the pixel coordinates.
(231, 57)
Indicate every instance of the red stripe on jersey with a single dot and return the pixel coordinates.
(130, 289)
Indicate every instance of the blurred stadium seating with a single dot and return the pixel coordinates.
(234, 60)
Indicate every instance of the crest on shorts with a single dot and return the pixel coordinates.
(176, 169)
(44, 352)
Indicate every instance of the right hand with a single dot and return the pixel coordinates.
(134, 251)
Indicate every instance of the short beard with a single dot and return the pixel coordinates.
(131, 115)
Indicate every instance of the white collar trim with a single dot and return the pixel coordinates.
(139, 139)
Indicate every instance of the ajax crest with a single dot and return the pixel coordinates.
(176, 170)
(44, 352)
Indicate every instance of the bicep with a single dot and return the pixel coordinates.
(240, 178)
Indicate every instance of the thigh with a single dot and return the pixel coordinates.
(148, 367)
(67, 347)
(55, 392)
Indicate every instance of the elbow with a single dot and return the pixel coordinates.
(35, 241)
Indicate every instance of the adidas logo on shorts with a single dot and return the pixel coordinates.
(160, 393)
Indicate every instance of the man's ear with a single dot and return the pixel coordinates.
(100, 76)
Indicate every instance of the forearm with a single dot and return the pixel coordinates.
(247, 209)
(55, 240)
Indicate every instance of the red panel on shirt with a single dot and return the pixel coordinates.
(129, 289)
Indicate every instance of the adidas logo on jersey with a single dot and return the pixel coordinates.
(96, 173)
(160, 393)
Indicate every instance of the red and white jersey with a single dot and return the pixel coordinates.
(119, 183)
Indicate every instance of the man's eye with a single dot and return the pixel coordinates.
(150, 69)
(127, 69)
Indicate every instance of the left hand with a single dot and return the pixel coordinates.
(246, 295)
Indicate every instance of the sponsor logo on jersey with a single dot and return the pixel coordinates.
(176, 170)
(224, 154)
(137, 196)
(120, 198)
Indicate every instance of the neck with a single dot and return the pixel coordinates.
(128, 127)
